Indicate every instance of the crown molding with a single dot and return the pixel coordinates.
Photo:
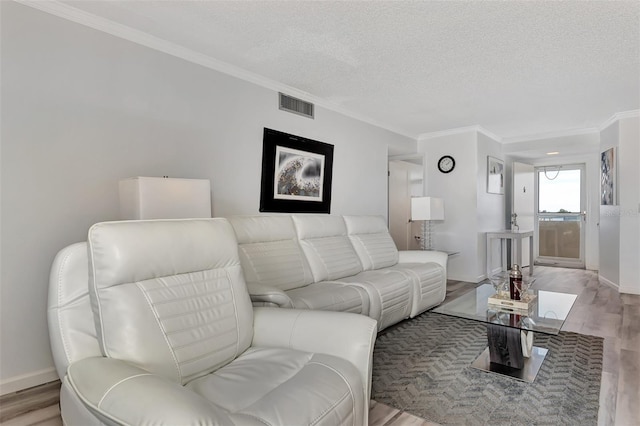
(449, 132)
(552, 135)
(532, 137)
(619, 116)
(459, 130)
(490, 134)
(70, 13)
(575, 132)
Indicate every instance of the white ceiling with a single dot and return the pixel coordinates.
(513, 68)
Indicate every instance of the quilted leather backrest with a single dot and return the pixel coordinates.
(327, 247)
(372, 241)
(270, 253)
(71, 328)
(168, 296)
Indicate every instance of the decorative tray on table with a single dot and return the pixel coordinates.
(504, 303)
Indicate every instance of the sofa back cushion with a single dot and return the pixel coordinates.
(270, 253)
(327, 247)
(168, 296)
(372, 241)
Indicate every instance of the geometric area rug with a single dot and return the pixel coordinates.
(423, 366)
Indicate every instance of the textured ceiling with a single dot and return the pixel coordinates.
(513, 68)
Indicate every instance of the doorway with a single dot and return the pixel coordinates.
(523, 204)
(560, 215)
(405, 181)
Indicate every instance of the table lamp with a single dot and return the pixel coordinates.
(426, 209)
(164, 198)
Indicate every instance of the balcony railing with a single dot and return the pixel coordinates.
(559, 235)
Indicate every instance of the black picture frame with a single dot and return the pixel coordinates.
(608, 171)
(303, 169)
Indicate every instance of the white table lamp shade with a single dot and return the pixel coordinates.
(427, 208)
(164, 198)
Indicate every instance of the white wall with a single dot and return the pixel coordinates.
(82, 109)
(491, 207)
(629, 196)
(609, 236)
(620, 224)
(522, 202)
(465, 220)
(458, 231)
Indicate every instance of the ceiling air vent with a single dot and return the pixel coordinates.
(296, 106)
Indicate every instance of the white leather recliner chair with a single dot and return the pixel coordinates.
(151, 323)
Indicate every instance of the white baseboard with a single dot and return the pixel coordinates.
(608, 282)
(497, 271)
(621, 288)
(26, 381)
(466, 278)
(629, 290)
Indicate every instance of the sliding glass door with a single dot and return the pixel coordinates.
(560, 211)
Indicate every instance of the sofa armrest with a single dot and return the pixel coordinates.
(119, 393)
(345, 335)
(423, 256)
(262, 295)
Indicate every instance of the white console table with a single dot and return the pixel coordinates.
(449, 252)
(516, 248)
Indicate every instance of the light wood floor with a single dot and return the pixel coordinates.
(599, 311)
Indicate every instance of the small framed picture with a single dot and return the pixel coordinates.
(495, 175)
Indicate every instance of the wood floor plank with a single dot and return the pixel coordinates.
(25, 401)
(608, 393)
(628, 396)
(406, 419)
(381, 414)
(48, 416)
(384, 415)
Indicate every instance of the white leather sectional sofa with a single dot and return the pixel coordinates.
(337, 263)
(225, 321)
(150, 322)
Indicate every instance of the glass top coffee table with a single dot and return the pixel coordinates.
(510, 332)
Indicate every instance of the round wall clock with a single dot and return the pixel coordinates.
(446, 164)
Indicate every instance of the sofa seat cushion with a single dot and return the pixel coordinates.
(390, 294)
(427, 278)
(331, 296)
(267, 386)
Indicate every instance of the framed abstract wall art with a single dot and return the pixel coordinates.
(296, 174)
(608, 178)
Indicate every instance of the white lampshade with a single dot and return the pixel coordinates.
(164, 198)
(427, 208)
